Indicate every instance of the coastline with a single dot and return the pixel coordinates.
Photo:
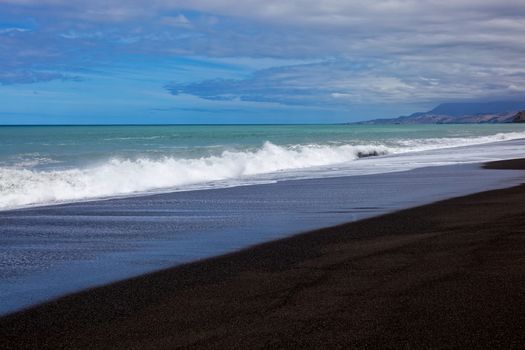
(447, 274)
(91, 244)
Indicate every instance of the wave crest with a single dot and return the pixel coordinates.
(22, 187)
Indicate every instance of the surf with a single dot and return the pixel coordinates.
(22, 186)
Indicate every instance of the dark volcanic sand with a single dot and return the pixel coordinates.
(445, 275)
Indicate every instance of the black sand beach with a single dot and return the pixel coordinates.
(445, 275)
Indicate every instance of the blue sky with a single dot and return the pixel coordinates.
(204, 61)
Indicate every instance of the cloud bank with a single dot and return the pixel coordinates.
(385, 51)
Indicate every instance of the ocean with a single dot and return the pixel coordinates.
(42, 165)
(88, 205)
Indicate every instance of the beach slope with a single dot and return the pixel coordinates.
(445, 275)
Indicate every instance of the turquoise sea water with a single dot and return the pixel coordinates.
(49, 164)
(63, 146)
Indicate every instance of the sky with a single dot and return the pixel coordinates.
(266, 61)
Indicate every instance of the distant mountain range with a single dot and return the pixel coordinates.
(463, 113)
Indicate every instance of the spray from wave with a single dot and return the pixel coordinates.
(22, 187)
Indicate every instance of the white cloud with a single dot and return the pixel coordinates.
(389, 50)
(176, 21)
(13, 30)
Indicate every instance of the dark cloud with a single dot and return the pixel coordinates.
(343, 82)
(27, 77)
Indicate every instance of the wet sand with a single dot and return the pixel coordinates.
(445, 275)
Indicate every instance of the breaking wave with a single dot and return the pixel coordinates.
(22, 187)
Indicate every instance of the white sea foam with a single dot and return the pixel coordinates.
(23, 187)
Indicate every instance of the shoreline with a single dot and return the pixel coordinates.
(108, 241)
(447, 274)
